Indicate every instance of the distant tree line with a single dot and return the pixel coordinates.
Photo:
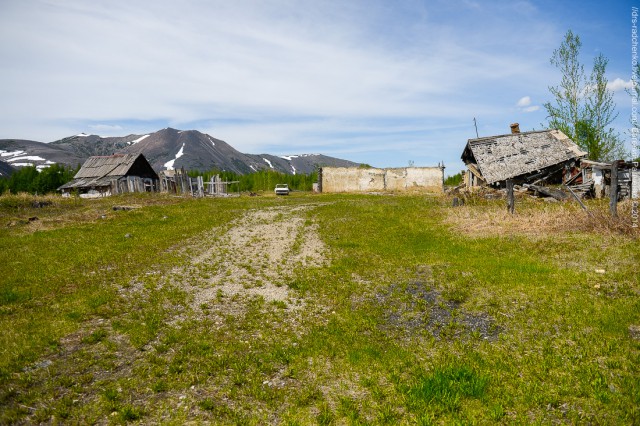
(263, 180)
(454, 180)
(29, 179)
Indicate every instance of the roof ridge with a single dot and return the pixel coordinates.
(510, 134)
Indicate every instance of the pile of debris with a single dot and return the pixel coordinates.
(545, 163)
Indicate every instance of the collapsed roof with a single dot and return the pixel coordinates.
(497, 158)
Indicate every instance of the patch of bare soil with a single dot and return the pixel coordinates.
(256, 257)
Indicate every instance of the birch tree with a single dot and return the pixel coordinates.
(584, 108)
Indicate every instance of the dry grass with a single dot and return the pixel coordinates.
(539, 218)
(26, 213)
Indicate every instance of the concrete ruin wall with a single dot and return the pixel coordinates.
(355, 179)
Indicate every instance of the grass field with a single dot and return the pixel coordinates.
(317, 309)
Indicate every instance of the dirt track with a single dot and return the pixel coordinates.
(254, 256)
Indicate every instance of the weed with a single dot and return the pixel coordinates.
(446, 388)
(160, 386)
(280, 304)
(325, 417)
(129, 413)
(95, 337)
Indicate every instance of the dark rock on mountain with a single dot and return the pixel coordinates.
(87, 146)
(171, 148)
(303, 163)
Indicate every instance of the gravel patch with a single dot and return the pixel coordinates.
(417, 306)
(255, 257)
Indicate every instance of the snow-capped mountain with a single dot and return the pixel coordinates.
(165, 149)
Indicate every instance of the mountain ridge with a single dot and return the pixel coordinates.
(165, 149)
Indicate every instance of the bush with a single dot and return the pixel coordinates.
(454, 180)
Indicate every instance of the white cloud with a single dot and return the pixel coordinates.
(619, 84)
(524, 105)
(300, 72)
(105, 127)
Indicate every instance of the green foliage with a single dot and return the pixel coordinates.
(23, 180)
(584, 108)
(29, 179)
(454, 180)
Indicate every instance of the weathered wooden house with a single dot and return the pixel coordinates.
(523, 157)
(598, 174)
(114, 174)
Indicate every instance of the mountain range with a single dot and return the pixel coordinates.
(165, 149)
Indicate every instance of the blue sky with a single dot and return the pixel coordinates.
(382, 82)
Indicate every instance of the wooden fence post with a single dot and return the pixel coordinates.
(511, 201)
(200, 187)
(613, 190)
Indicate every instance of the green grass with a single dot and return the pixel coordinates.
(410, 322)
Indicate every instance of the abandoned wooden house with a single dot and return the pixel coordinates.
(114, 174)
(527, 157)
(597, 177)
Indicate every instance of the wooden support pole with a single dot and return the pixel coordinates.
(578, 199)
(511, 201)
(613, 190)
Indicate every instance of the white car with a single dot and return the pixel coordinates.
(282, 189)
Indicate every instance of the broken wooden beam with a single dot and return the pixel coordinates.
(578, 200)
(549, 192)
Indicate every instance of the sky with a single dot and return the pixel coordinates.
(390, 83)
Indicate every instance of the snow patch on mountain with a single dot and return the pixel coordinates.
(4, 153)
(268, 162)
(138, 140)
(169, 164)
(25, 157)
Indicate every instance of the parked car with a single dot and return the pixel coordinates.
(282, 189)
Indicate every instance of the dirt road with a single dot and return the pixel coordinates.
(255, 256)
